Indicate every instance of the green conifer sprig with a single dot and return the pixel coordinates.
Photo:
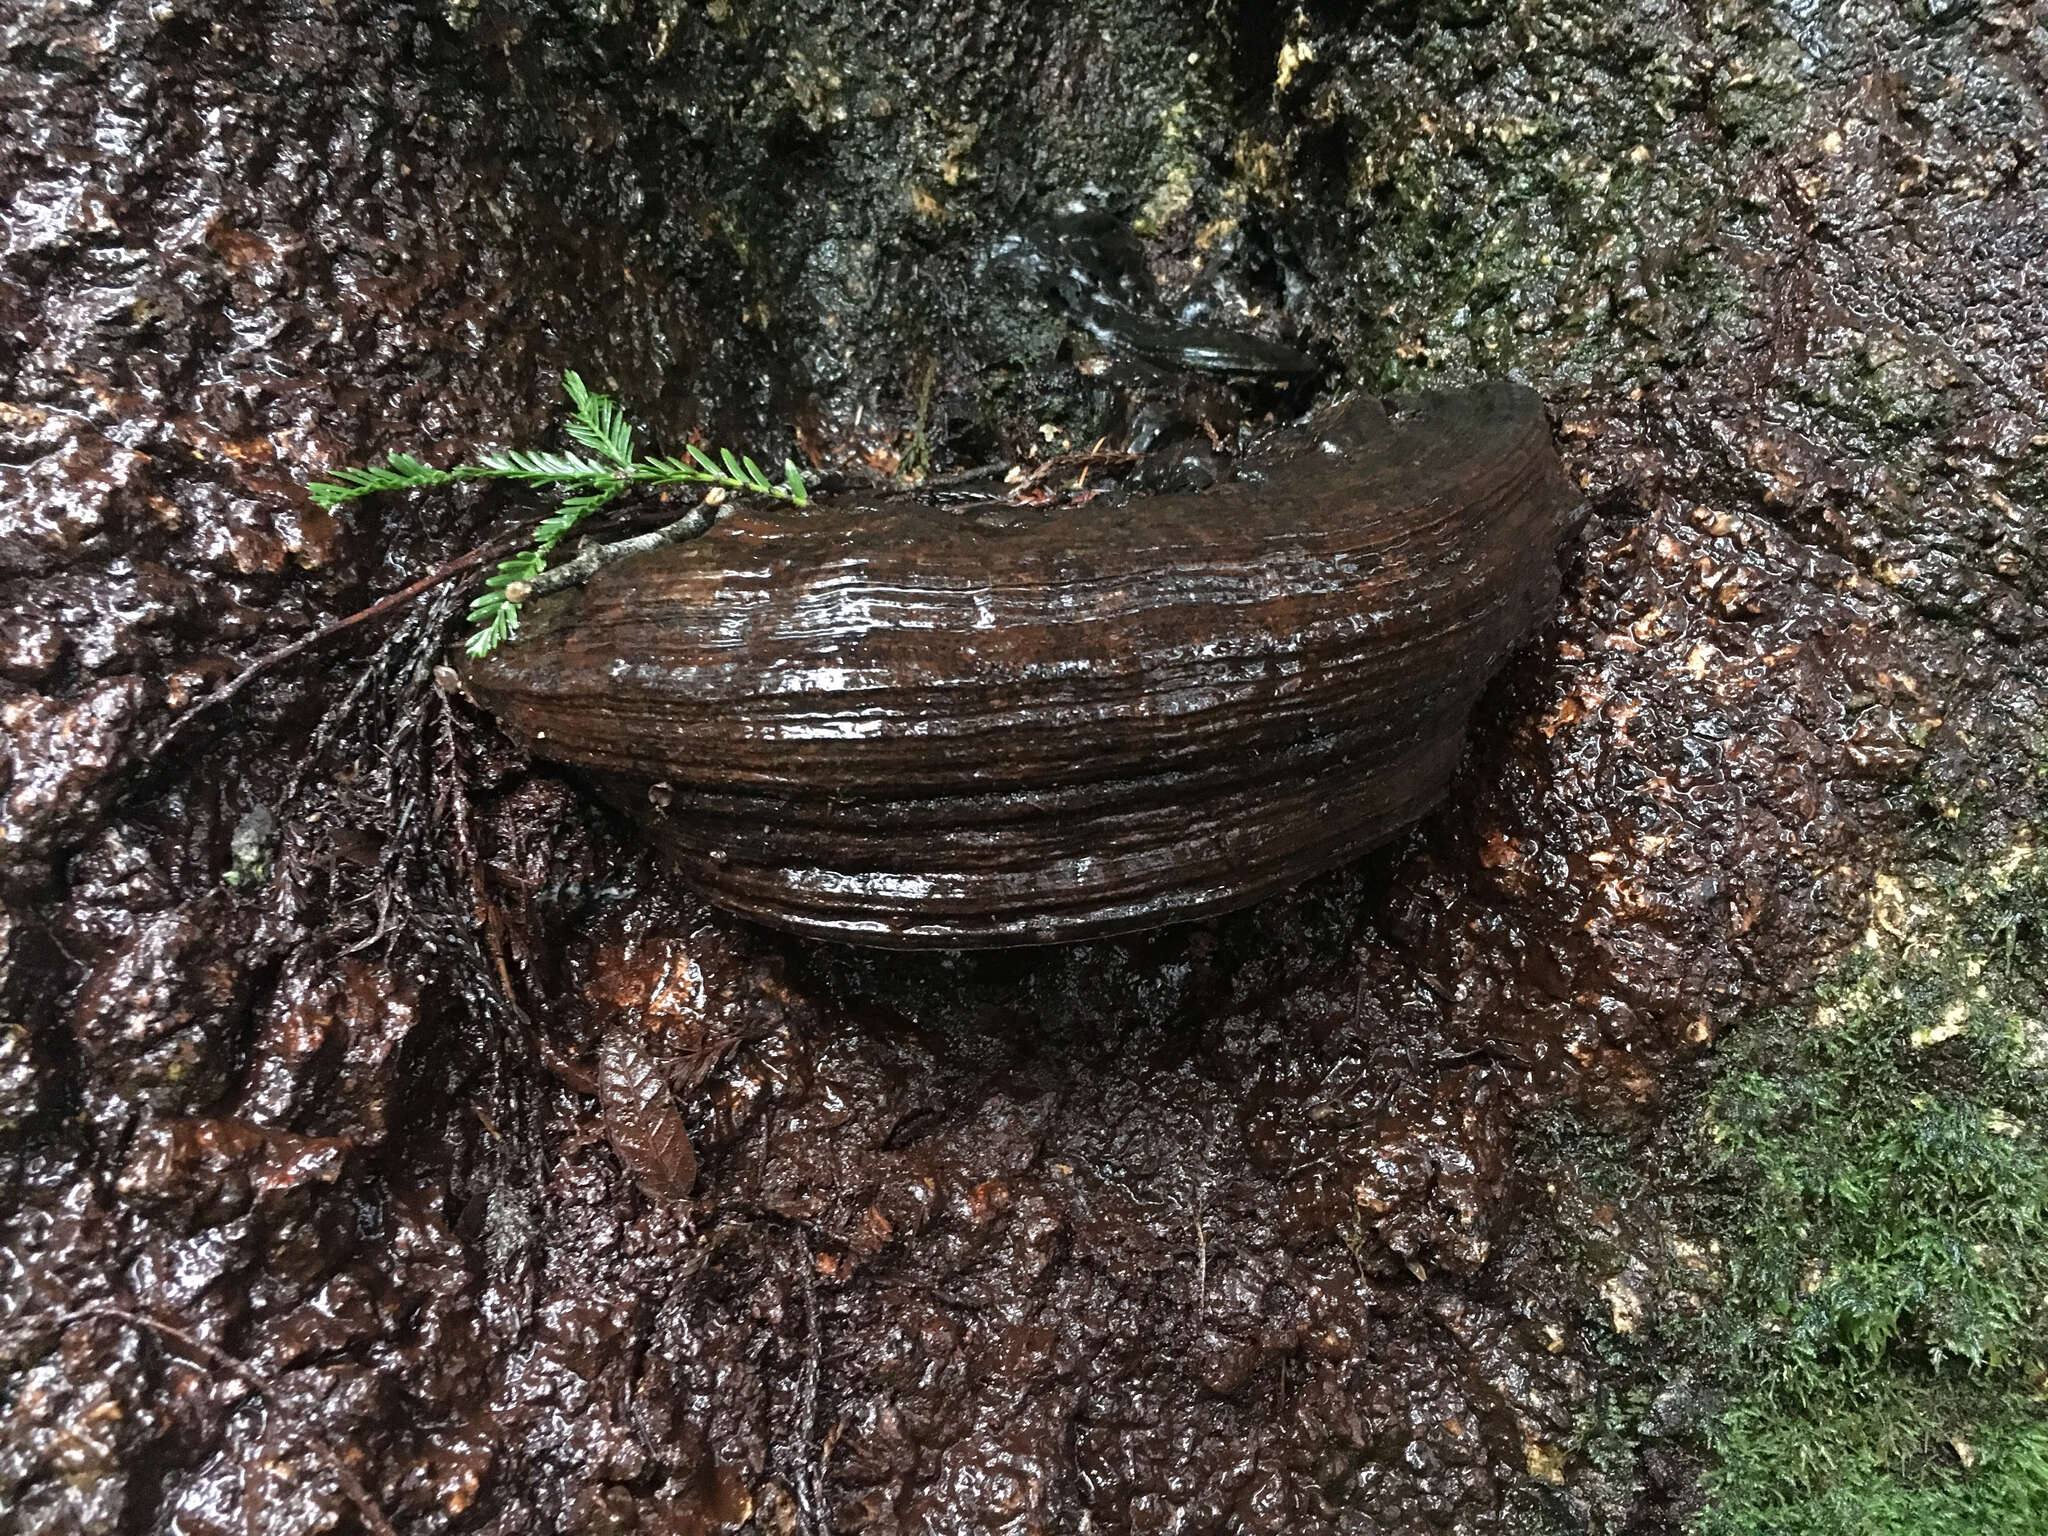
(598, 426)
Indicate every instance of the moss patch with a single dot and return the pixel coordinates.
(1884, 1332)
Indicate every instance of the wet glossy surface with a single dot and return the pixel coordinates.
(913, 726)
(1093, 267)
(1245, 1227)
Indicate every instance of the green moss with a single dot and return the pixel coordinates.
(1865, 1468)
(1884, 1334)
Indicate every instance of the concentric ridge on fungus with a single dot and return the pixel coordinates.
(893, 723)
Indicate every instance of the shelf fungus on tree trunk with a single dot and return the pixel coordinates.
(888, 722)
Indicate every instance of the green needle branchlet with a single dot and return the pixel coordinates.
(589, 481)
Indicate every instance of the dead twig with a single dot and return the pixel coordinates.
(490, 921)
(1201, 1182)
(1066, 463)
(946, 479)
(265, 665)
(351, 1485)
(596, 558)
(809, 1473)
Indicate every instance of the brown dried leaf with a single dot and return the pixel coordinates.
(640, 1116)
